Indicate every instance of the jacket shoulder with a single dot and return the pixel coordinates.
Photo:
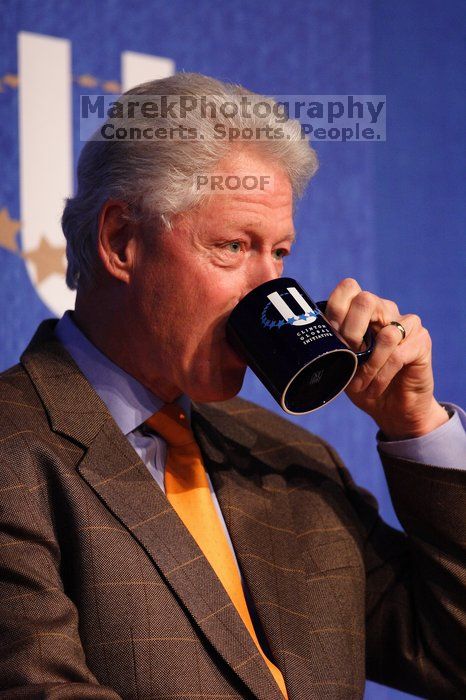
(17, 394)
(27, 441)
(266, 422)
(272, 438)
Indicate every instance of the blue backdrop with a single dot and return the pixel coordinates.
(388, 214)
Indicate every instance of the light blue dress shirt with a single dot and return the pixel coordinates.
(443, 447)
(130, 404)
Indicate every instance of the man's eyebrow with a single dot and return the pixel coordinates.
(244, 224)
(250, 225)
(289, 237)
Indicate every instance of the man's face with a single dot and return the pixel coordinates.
(187, 281)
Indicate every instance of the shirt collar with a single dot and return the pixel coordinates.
(129, 402)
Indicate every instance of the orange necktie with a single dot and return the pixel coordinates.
(187, 489)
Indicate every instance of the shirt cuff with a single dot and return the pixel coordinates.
(443, 447)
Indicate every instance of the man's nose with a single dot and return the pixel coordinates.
(263, 269)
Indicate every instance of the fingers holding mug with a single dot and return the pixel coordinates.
(339, 302)
(387, 353)
(351, 310)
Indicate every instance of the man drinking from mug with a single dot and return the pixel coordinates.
(161, 538)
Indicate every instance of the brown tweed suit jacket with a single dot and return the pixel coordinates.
(104, 594)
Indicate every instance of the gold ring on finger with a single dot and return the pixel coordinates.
(400, 328)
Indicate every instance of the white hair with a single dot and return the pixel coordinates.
(155, 177)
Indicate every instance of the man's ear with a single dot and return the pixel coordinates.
(117, 240)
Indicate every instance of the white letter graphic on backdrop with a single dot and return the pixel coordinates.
(45, 146)
(46, 150)
(139, 68)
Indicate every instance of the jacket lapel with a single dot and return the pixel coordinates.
(256, 501)
(113, 470)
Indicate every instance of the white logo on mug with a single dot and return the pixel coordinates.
(308, 315)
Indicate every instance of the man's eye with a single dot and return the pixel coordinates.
(234, 247)
(280, 253)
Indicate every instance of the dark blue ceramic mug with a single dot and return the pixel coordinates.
(286, 340)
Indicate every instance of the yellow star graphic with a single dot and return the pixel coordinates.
(8, 230)
(86, 81)
(111, 86)
(47, 259)
(11, 80)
